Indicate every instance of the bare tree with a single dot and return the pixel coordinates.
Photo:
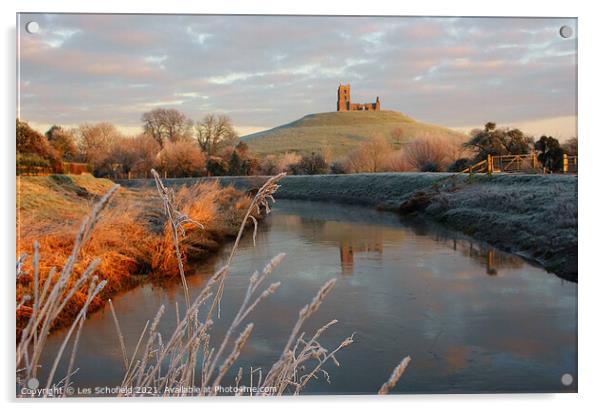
(428, 153)
(215, 132)
(135, 154)
(181, 159)
(371, 156)
(97, 140)
(571, 146)
(165, 124)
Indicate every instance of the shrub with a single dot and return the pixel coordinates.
(311, 164)
(217, 166)
(285, 162)
(571, 146)
(398, 161)
(31, 163)
(63, 141)
(429, 167)
(459, 165)
(428, 153)
(371, 156)
(498, 141)
(338, 167)
(550, 153)
(29, 141)
(268, 165)
(181, 159)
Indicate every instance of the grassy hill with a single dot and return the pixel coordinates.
(340, 132)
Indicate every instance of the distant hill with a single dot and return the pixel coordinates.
(340, 132)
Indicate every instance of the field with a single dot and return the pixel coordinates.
(340, 132)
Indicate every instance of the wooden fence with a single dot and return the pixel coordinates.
(519, 163)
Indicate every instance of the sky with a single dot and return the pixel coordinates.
(264, 71)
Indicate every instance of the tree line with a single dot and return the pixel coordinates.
(170, 143)
(179, 147)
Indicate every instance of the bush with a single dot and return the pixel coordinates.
(217, 166)
(63, 141)
(459, 165)
(495, 141)
(338, 167)
(29, 141)
(31, 163)
(241, 162)
(398, 161)
(428, 153)
(550, 154)
(371, 156)
(311, 164)
(182, 159)
(429, 167)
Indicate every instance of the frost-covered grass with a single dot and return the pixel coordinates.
(533, 215)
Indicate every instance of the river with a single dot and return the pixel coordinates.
(473, 318)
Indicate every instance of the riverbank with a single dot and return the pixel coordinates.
(131, 238)
(531, 215)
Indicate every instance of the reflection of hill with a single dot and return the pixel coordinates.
(348, 249)
(487, 256)
(351, 239)
(360, 230)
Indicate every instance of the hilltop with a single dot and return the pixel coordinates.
(340, 132)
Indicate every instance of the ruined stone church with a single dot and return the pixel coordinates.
(344, 101)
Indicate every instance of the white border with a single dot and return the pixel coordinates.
(590, 287)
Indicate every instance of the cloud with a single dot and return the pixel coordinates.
(267, 70)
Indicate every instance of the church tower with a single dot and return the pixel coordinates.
(344, 97)
(344, 101)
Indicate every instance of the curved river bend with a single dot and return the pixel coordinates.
(472, 318)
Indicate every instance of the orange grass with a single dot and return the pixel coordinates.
(126, 243)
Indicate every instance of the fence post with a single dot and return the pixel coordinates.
(489, 164)
(565, 163)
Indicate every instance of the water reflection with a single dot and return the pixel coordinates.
(367, 239)
(347, 249)
(473, 318)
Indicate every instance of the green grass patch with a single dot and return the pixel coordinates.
(340, 132)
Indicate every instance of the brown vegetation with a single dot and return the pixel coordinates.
(181, 159)
(131, 238)
(428, 153)
(371, 156)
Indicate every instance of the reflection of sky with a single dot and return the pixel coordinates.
(465, 330)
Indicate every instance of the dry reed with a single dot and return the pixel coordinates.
(395, 376)
(51, 299)
(185, 362)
